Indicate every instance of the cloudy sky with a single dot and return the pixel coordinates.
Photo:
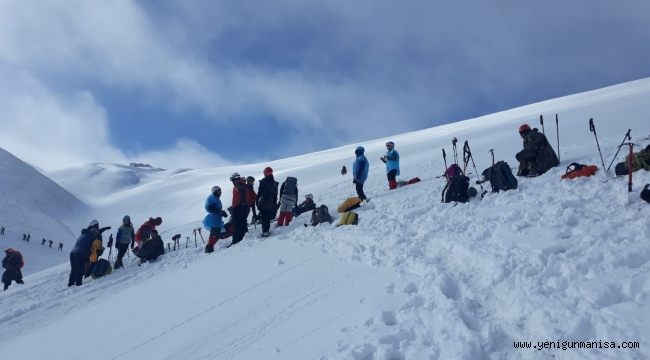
(198, 83)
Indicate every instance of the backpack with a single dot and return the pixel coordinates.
(349, 218)
(102, 268)
(500, 177)
(290, 186)
(453, 170)
(575, 170)
(349, 204)
(456, 189)
(645, 193)
(320, 214)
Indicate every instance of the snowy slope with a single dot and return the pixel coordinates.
(416, 279)
(32, 203)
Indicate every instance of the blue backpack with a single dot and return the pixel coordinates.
(102, 268)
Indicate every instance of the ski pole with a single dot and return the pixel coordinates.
(557, 130)
(466, 156)
(541, 121)
(626, 137)
(592, 128)
(444, 157)
(466, 146)
(491, 151)
(453, 143)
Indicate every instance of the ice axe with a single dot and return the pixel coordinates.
(491, 151)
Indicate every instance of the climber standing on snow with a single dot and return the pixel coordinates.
(360, 171)
(125, 237)
(213, 221)
(391, 159)
(242, 201)
(267, 200)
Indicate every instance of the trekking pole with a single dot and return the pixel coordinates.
(541, 121)
(628, 138)
(557, 130)
(195, 244)
(110, 246)
(201, 235)
(466, 156)
(592, 128)
(453, 143)
(469, 155)
(444, 158)
(491, 151)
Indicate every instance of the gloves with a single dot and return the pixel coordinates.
(224, 214)
(100, 251)
(132, 244)
(383, 159)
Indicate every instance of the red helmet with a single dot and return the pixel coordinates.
(524, 128)
(268, 171)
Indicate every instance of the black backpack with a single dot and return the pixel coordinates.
(102, 268)
(320, 214)
(456, 189)
(500, 177)
(290, 186)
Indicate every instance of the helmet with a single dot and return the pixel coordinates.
(93, 223)
(524, 128)
(216, 188)
(268, 171)
(390, 143)
(126, 218)
(309, 196)
(359, 150)
(234, 176)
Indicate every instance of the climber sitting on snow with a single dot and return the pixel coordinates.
(307, 205)
(538, 156)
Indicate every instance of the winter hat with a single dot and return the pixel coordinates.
(93, 223)
(156, 221)
(524, 128)
(390, 143)
(268, 171)
(309, 196)
(250, 178)
(126, 218)
(234, 176)
(360, 150)
(215, 189)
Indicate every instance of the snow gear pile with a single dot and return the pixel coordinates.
(12, 263)
(320, 215)
(349, 204)
(410, 181)
(538, 156)
(575, 170)
(500, 177)
(288, 199)
(349, 218)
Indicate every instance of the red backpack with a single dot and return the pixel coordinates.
(575, 170)
(18, 255)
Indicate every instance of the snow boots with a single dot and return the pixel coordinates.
(212, 240)
(392, 184)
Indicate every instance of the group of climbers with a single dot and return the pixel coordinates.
(87, 251)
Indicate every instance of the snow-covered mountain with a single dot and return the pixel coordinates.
(33, 204)
(95, 181)
(552, 261)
